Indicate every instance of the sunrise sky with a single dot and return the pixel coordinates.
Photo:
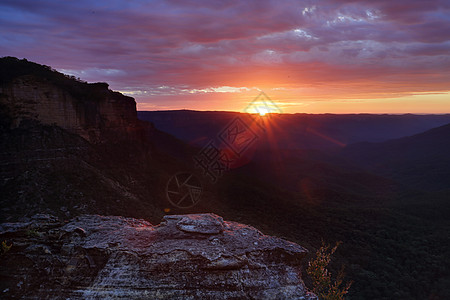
(333, 56)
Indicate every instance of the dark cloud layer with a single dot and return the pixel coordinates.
(157, 48)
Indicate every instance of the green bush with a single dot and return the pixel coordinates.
(324, 285)
(5, 248)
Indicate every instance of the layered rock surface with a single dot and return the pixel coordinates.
(69, 147)
(90, 110)
(185, 257)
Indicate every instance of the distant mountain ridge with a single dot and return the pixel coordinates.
(298, 131)
(421, 160)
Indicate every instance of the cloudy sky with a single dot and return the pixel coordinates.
(333, 56)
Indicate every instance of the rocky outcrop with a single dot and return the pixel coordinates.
(107, 114)
(90, 110)
(185, 257)
(69, 147)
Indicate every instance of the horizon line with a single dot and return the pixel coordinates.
(296, 113)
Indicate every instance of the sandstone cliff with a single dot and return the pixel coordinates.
(185, 257)
(68, 147)
(90, 110)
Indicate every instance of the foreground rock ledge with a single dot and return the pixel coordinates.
(185, 257)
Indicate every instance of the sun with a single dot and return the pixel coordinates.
(262, 111)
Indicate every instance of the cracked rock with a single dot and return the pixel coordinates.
(197, 256)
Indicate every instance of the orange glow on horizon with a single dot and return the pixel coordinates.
(263, 111)
(435, 103)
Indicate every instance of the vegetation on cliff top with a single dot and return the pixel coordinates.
(11, 68)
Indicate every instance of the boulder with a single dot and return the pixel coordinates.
(197, 256)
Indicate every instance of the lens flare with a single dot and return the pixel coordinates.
(262, 111)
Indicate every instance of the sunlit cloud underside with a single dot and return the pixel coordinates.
(308, 56)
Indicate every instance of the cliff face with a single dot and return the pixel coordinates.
(68, 147)
(185, 257)
(106, 114)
